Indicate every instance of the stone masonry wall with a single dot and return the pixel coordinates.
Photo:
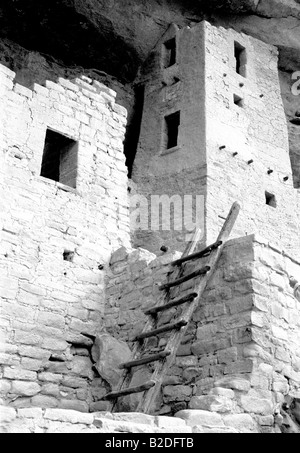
(247, 144)
(56, 241)
(180, 170)
(233, 142)
(241, 352)
(32, 67)
(55, 421)
(292, 106)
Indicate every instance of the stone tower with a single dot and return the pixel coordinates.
(214, 125)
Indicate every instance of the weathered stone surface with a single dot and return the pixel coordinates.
(219, 430)
(69, 416)
(211, 403)
(200, 417)
(235, 383)
(169, 422)
(44, 401)
(25, 388)
(7, 414)
(109, 353)
(132, 417)
(224, 392)
(177, 392)
(257, 405)
(241, 422)
(110, 426)
(75, 405)
(247, 324)
(34, 412)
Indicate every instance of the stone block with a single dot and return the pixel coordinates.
(81, 366)
(54, 86)
(31, 364)
(7, 414)
(54, 345)
(67, 84)
(75, 405)
(227, 355)
(51, 390)
(44, 401)
(33, 412)
(234, 382)
(206, 331)
(5, 387)
(40, 90)
(50, 377)
(55, 427)
(27, 338)
(177, 392)
(169, 422)
(7, 72)
(240, 366)
(208, 346)
(186, 361)
(51, 320)
(220, 391)
(108, 353)
(241, 422)
(267, 420)
(74, 382)
(219, 430)
(134, 417)
(69, 416)
(100, 406)
(23, 91)
(110, 426)
(25, 388)
(19, 374)
(258, 406)
(200, 417)
(212, 403)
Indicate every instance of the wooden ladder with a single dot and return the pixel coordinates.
(164, 359)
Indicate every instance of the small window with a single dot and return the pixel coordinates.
(238, 100)
(60, 159)
(68, 256)
(271, 200)
(240, 55)
(172, 123)
(169, 53)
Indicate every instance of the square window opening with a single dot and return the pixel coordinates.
(172, 123)
(169, 53)
(240, 55)
(60, 158)
(68, 256)
(271, 199)
(238, 100)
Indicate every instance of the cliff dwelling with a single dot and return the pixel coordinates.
(150, 216)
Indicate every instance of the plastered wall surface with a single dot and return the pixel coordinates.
(47, 302)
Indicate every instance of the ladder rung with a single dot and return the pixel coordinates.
(141, 388)
(174, 303)
(200, 254)
(166, 328)
(151, 358)
(195, 274)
